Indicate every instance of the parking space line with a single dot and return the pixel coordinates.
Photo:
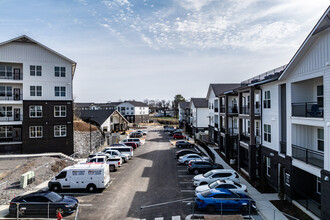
(159, 218)
(178, 217)
(185, 176)
(187, 190)
(186, 182)
(187, 201)
(182, 170)
(85, 204)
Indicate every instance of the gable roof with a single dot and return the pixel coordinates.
(199, 102)
(321, 25)
(183, 104)
(98, 116)
(220, 88)
(26, 39)
(137, 104)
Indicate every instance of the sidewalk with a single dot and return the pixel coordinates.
(264, 207)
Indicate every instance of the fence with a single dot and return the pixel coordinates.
(39, 209)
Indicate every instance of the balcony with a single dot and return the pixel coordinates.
(282, 147)
(222, 109)
(12, 98)
(216, 109)
(307, 109)
(11, 118)
(15, 76)
(232, 109)
(223, 129)
(233, 131)
(309, 156)
(245, 110)
(216, 125)
(245, 137)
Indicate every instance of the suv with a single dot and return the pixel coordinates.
(213, 175)
(197, 167)
(184, 152)
(118, 154)
(135, 135)
(183, 143)
(132, 144)
(188, 157)
(179, 136)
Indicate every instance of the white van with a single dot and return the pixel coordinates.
(81, 176)
(124, 150)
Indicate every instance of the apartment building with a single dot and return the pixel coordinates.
(35, 98)
(134, 111)
(198, 115)
(183, 116)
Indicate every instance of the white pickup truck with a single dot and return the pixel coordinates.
(113, 162)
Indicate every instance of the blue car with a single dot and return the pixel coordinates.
(216, 199)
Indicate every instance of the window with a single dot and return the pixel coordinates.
(60, 91)
(267, 133)
(6, 91)
(59, 71)
(267, 99)
(318, 185)
(132, 108)
(319, 95)
(35, 70)
(287, 179)
(249, 127)
(60, 131)
(320, 139)
(35, 91)
(6, 132)
(268, 166)
(35, 111)
(61, 175)
(6, 72)
(6, 111)
(35, 131)
(59, 111)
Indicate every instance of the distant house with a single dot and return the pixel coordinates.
(134, 111)
(107, 120)
(36, 112)
(198, 115)
(183, 116)
(96, 106)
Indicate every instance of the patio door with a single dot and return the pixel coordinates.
(17, 94)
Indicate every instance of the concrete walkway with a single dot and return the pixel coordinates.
(264, 207)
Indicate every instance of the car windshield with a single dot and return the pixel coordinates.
(208, 174)
(213, 185)
(54, 197)
(206, 193)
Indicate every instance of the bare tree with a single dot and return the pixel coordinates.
(164, 106)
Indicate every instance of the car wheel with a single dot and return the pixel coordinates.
(210, 209)
(91, 188)
(112, 168)
(55, 187)
(245, 209)
(203, 183)
(196, 172)
(186, 162)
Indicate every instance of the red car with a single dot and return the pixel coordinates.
(179, 136)
(132, 144)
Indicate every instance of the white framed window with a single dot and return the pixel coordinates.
(6, 91)
(35, 70)
(318, 185)
(267, 133)
(59, 71)
(6, 111)
(59, 111)
(320, 139)
(268, 166)
(267, 99)
(6, 72)
(60, 131)
(6, 132)
(36, 131)
(60, 91)
(35, 111)
(35, 91)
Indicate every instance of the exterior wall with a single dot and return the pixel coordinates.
(48, 143)
(211, 98)
(129, 108)
(141, 110)
(202, 119)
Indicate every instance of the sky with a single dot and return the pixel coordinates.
(155, 49)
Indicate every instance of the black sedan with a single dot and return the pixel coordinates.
(197, 167)
(42, 203)
(184, 152)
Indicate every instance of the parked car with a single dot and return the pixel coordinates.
(42, 202)
(184, 143)
(81, 176)
(179, 136)
(117, 145)
(135, 140)
(143, 132)
(197, 166)
(176, 131)
(169, 129)
(114, 162)
(225, 200)
(135, 135)
(223, 184)
(217, 174)
(188, 157)
(124, 150)
(116, 153)
(131, 144)
(184, 152)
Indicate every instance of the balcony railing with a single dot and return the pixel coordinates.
(233, 131)
(11, 118)
(216, 109)
(245, 137)
(232, 109)
(223, 129)
(12, 98)
(307, 109)
(15, 76)
(282, 147)
(245, 110)
(309, 156)
(222, 109)
(216, 125)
